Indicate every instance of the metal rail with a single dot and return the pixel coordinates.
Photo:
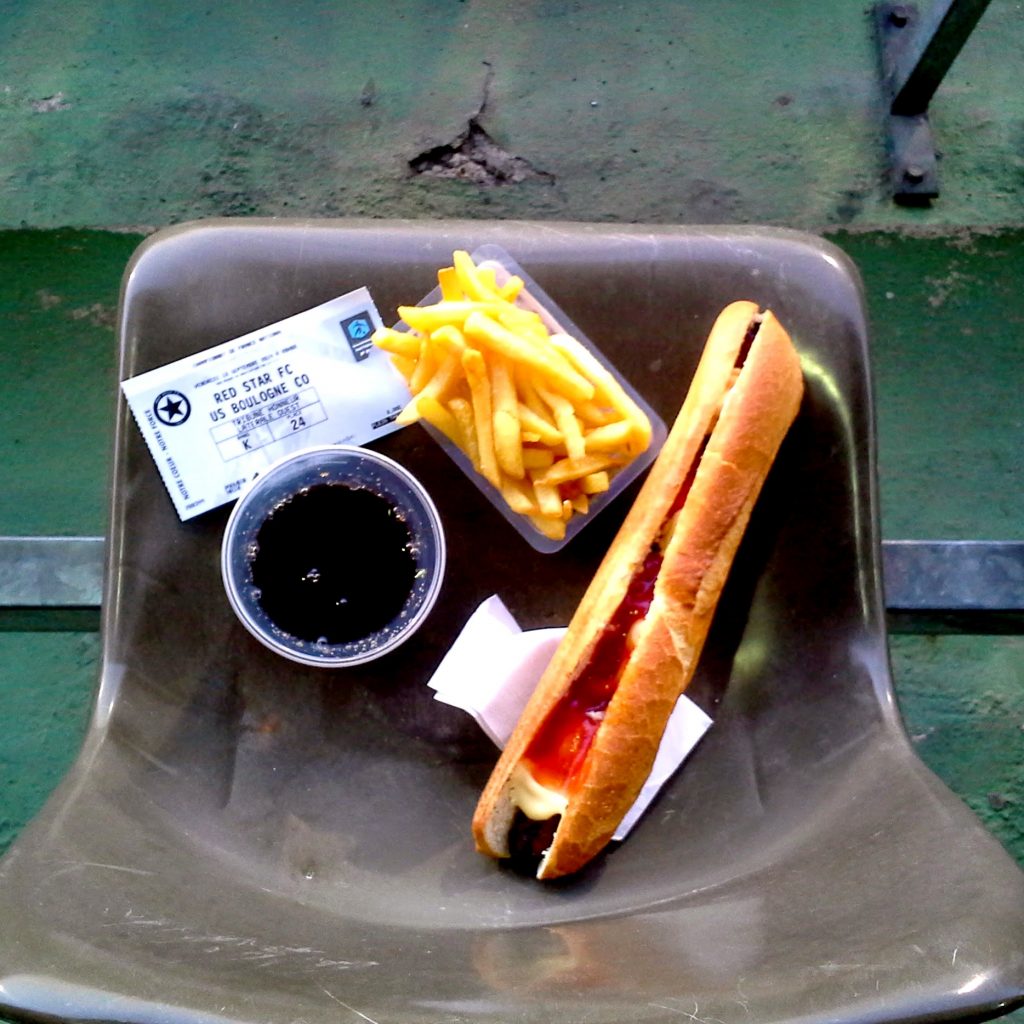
(967, 586)
(51, 583)
(947, 586)
(51, 572)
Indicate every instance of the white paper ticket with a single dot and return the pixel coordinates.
(215, 420)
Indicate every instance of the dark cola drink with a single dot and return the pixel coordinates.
(334, 556)
(334, 563)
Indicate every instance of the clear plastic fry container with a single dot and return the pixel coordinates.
(532, 297)
(334, 556)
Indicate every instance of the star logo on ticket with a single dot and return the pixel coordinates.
(171, 408)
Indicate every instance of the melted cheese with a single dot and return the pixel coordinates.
(535, 801)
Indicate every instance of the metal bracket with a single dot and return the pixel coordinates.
(916, 51)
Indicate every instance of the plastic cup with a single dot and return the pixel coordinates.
(291, 481)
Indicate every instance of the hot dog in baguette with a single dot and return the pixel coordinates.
(587, 738)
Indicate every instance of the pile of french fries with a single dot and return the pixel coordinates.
(539, 417)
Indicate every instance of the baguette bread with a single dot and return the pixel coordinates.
(587, 738)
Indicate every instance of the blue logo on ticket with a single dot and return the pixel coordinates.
(215, 420)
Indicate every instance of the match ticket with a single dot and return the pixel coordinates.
(215, 420)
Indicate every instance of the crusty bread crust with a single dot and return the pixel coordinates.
(747, 423)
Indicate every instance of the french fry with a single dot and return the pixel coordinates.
(605, 385)
(530, 398)
(448, 282)
(535, 415)
(449, 339)
(537, 458)
(405, 366)
(561, 377)
(480, 394)
(455, 311)
(425, 367)
(549, 501)
(575, 469)
(551, 527)
(399, 343)
(470, 279)
(436, 414)
(462, 411)
(538, 426)
(516, 497)
(508, 441)
(486, 277)
(524, 322)
(565, 419)
(443, 378)
(594, 415)
(510, 290)
(410, 413)
(535, 412)
(611, 437)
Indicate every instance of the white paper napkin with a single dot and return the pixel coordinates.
(493, 667)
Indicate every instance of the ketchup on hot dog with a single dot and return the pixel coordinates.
(557, 752)
(561, 744)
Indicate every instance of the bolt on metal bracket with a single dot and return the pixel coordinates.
(916, 51)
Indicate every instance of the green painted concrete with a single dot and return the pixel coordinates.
(115, 113)
(46, 686)
(962, 700)
(58, 305)
(947, 318)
